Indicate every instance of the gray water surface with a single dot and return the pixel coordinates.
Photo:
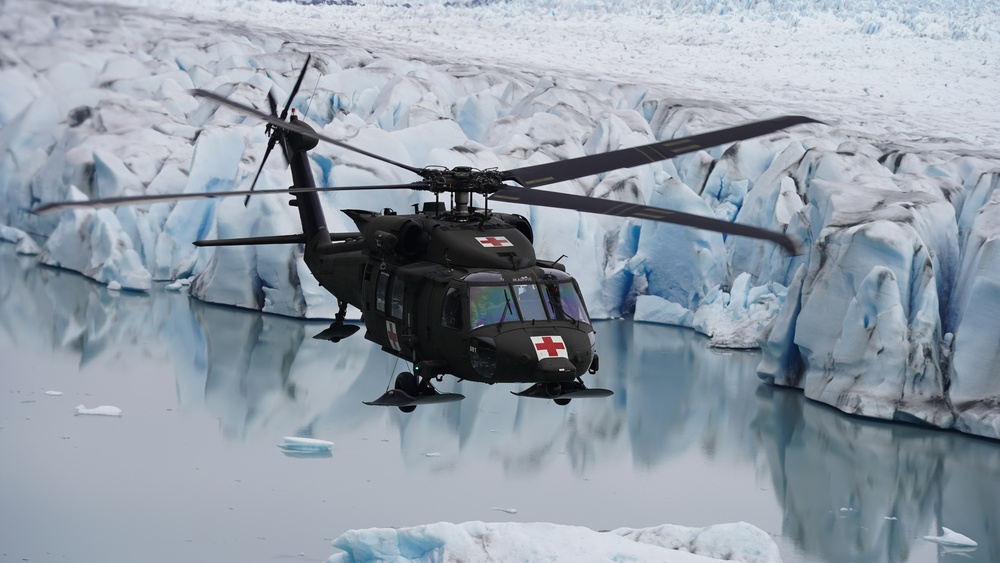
(191, 471)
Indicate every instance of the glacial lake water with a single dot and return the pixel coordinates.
(190, 471)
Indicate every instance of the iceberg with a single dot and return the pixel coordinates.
(304, 444)
(507, 541)
(103, 410)
(951, 538)
(296, 446)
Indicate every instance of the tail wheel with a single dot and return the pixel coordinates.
(407, 383)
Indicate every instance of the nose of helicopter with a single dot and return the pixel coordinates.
(546, 354)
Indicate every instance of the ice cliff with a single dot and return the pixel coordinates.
(890, 313)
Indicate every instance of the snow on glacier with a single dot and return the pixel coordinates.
(889, 312)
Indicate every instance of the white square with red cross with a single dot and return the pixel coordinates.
(494, 242)
(390, 329)
(549, 347)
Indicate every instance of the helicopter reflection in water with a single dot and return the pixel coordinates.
(847, 489)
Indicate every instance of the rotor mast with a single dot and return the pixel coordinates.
(461, 208)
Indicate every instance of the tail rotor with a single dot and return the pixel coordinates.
(274, 133)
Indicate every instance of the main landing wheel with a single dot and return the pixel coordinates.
(566, 388)
(407, 383)
(553, 390)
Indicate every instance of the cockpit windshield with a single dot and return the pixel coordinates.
(563, 303)
(554, 297)
(490, 304)
(529, 302)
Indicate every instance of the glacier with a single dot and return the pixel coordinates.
(889, 314)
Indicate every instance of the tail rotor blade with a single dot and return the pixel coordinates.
(272, 102)
(295, 90)
(270, 146)
(308, 132)
(273, 139)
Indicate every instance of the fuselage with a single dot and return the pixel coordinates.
(465, 297)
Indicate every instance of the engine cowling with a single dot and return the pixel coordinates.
(519, 223)
(391, 234)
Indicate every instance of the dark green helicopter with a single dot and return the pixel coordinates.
(459, 290)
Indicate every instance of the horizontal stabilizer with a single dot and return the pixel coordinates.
(277, 239)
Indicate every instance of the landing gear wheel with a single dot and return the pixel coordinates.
(565, 388)
(407, 383)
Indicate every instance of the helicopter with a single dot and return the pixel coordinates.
(457, 289)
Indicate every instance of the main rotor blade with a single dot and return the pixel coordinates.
(559, 171)
(621, 209)
(295, 90)
(288, 126)
(141, 199)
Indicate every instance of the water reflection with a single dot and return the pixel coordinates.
(848, 489)
(860, 490)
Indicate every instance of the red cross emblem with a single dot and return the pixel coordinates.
(494, 242)
(549, 347)
(390, 329)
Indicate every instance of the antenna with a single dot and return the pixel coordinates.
(311, 96)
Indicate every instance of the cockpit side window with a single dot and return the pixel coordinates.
(383, 283)
(529, 302)
(398, 291)
(451, 313)
(490, 304)
(563, 302)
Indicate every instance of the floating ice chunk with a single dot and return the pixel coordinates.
(54, 393)
(305, 447)
(507, 510)
(298, 442)
(177, 285)
(103, 410)
(952, 538)
(541, 541)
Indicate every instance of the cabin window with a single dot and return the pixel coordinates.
(451, 313)
(490, 305)
(529, 302)
(563, 302)
(380, 288)
(398, 288)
